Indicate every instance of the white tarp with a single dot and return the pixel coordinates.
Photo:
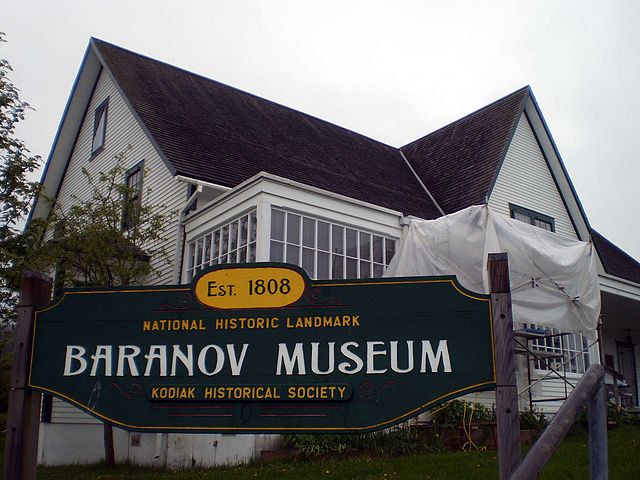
(554, 279)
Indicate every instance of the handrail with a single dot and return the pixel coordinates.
(590, 389)
(614, 373)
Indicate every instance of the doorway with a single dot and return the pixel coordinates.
(627, 366)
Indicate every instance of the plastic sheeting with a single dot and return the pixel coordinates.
(554, 279)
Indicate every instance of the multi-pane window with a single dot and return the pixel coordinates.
(232, 242)
(327, 250)
(133, 196)
(564, 351)
(99, 127)
(532, 218)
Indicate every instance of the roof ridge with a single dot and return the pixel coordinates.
(450, 124)
(231, 87)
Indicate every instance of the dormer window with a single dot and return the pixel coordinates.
(532, 218)
(99, 127)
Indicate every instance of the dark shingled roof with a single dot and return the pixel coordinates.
(458, 163)
(209, 131)
(615, 261)
(213, 132)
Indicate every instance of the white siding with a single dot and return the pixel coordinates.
(550, 388)
(63, 412)
(123, 130)
(525, 180)
(553, 389)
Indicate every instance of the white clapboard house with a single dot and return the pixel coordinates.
(257, 181)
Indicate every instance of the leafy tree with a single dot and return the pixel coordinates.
(105, 239)
(16, 195)
(5, 372)
(16, 192)
(90, 245)
(108, 238)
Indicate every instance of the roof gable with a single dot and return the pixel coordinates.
(525, 180)
(459, 162)
(212, 132)
(67, 133)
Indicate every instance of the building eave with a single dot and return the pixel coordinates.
(558, 170)
(264, 176)
(619, 286)
(67, 132)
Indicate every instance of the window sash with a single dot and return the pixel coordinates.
(133, 195)
(532, 217)
(327, 250)
(231, 242)
(99, 127)
(571, 347)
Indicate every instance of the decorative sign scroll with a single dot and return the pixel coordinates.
(261, 348)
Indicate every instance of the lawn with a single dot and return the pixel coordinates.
(570, 462)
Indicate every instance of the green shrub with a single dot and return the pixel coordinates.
(5, 375)
(456, 416)
(533, 419)
(458, 413)
(615, 415)
(402, 441)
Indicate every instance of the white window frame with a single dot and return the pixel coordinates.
(99, 137)
(364, 262)
(133, 180)
(532, 217)
(264, 192)
(572, 360)
(201, 251)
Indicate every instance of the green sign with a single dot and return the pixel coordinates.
(261, 348)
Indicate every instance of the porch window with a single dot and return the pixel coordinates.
(327, 250)
(572, 350)
(532, 218)
(231, 242)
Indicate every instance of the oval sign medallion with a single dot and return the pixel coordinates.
(264, 287)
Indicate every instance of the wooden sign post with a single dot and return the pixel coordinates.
(506, 389)
(21, 446)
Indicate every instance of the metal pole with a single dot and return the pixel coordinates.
(552, 436)
(23, 418)
(505, 357)
(598, 449)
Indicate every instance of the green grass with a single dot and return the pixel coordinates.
(570, 462)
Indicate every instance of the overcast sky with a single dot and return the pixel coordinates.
(393, 70)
